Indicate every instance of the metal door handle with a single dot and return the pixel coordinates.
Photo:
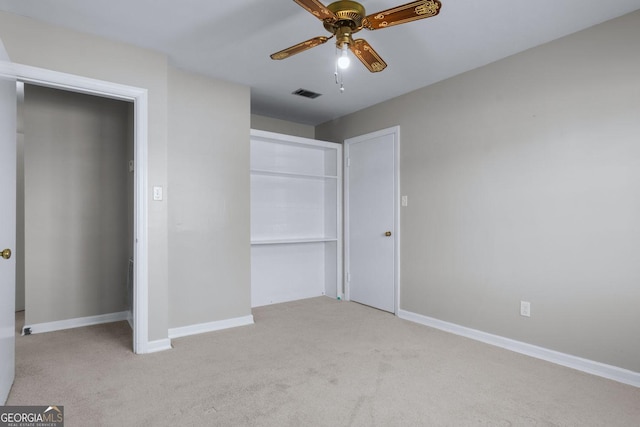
(6, 254)
(388, 234)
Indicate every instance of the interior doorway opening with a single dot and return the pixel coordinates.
(75, 209)
(139, 98)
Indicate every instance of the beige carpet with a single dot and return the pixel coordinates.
(316, 362)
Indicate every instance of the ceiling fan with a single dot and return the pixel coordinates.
(345, 18)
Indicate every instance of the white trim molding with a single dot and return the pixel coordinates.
(589, 366)
(158, 345)
(202, 328)
(79, 322)
(139, 97)
(130, 318)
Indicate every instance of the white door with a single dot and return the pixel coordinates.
(371, 218)
(7, 224)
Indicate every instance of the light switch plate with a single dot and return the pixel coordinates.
(525, 308)
(157, 194)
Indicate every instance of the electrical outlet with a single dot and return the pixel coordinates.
(525, 308)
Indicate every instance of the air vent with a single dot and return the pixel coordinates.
(306, 93)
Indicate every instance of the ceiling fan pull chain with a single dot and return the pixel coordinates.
(339, 77)
(340, 80)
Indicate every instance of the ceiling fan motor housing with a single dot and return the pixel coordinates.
(350, 16)
(349, 13)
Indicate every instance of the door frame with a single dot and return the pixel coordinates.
(395, 131)
(139, 97)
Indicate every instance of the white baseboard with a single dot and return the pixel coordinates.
(78, 322)
(201, 328)
(158, 345)
(589, 366)
(130, 318)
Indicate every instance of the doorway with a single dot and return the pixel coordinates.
(372, 219)
(139, 98)
(75, 208)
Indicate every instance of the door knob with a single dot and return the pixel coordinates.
(6, 254)
(388, 234)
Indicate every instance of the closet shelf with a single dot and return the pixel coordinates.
(265, 172)
(296, 218)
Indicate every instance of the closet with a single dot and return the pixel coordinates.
(75, 208)
(296, 218)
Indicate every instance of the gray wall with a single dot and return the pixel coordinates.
(75, 203)
(282, 126)
(208, 193)
(34, 43)
(523, 179)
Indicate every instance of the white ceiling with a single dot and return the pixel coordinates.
(232, 40)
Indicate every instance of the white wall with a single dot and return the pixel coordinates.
(523, 179)
(75, 205)
(208, 194)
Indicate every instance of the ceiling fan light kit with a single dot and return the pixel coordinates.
(344, 18)
(343, 60)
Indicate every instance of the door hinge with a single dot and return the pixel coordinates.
(348, 161)
(348, 277)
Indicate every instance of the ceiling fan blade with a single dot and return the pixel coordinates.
(300, 47)
(369, 57)
(403, 14)
(317, 9)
